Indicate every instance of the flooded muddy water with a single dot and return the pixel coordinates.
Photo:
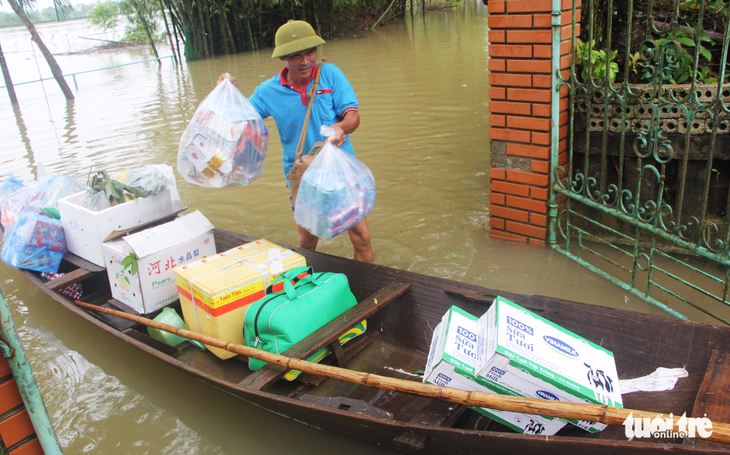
(423, 90)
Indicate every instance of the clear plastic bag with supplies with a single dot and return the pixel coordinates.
(226, 141)
(336, 192)
(13, 194)
(40, 198)
(37, 243)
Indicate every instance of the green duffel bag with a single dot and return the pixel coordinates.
(280, 320)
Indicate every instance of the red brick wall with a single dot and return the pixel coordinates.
(520, 65)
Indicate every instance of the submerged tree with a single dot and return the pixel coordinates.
(142, 17)
(18, 7)
(6, 76)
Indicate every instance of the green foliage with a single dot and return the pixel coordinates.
(677, 63)
(47, 14)
(635, 62)
(591, 58)
(130, 261)
(137, 12)
(219, 27)
(104, 15)
(717, 6)
(114, 189)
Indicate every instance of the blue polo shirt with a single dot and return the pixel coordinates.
(288, 105)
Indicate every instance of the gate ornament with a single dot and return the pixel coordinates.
(648, 165)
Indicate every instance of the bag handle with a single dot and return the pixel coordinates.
(298, 273)
(291, 291)
(312, 93)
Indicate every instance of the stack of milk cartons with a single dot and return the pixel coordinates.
(522, 354)
(457, 350)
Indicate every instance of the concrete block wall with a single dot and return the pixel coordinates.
(520, 67)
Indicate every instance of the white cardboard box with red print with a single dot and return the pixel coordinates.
(158, 250)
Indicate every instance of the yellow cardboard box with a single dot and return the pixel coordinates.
(223, 286)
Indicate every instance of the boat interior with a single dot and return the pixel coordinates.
(403, 308)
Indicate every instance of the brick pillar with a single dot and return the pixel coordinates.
(520, 65)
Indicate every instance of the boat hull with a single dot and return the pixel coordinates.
(640, 344)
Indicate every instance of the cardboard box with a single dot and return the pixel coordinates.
(86, 229)
(159, 250)
(457, 346)
(527, 355)
(225, 285)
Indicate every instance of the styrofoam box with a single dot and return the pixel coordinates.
(529, 356)
(159, 249)
(86, 229)
(456, 346)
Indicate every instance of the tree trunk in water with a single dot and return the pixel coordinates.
(8, 81)
(55, 69)
(169, 35)
(146, 28)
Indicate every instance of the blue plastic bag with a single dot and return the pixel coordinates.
(12, 201)
(36, 243)
(336, 192)
(17, 198)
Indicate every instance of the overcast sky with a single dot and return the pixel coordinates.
(40, 4)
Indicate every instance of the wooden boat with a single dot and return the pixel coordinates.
(396, 344)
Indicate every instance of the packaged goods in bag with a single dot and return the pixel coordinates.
(36, 243)
(44, 196)
(38, 198)
(335, 193)
(226, 141)
(13, 194)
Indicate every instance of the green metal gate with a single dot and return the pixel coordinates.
(643, 196)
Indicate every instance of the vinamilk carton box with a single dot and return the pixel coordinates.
(457, 347)
(527, 355)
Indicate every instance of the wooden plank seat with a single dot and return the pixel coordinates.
(82, 263)
(328, 334)
(351, 349)
(67, 279)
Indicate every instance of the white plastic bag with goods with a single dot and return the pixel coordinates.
(226, 141)
(336, 191)
(151, 180)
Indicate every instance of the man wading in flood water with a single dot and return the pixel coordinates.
(284, 97)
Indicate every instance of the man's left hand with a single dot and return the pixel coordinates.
(347, 126)
(340, 137)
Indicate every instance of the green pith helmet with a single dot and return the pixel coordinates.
(295, 36)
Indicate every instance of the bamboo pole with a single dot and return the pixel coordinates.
(608, 415)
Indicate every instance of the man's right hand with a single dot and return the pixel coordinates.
(225, 76)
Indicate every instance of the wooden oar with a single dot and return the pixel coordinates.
(596, 413)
